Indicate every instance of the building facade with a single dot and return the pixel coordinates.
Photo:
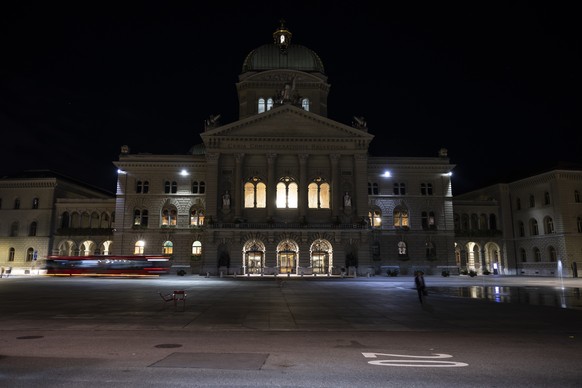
(285, 190)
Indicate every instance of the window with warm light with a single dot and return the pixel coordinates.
(255, 193)
(287, 193)
(401, 218)
(139, 248)
(318, 194)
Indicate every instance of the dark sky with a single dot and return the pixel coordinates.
(496, 83)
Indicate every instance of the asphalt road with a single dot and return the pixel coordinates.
(290, 332)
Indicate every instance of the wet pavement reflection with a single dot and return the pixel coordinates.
(567, 297)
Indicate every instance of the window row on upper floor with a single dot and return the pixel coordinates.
(401, 219)
(17, 203)
(399, 188)
(536, 255)
(167, 248)
(466, 222)
(86, 220)
(29, 256)
(548, 222)
(170, 187)
(168, 216)
(15, 229)
(546, 200)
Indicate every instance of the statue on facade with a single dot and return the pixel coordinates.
(226, 200)
(212, 122)
(347, 200)
(360, 123)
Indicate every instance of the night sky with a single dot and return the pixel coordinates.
(496, 83)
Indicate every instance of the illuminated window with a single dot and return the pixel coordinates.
(196, 248)
(168, 248)
(318, 194)
(287, 193)
(169, 216)
(139, 248)
(401, 218)
(305, 104)
(255, 193)
(197, 217)
(375, 217)
(269, 104)
(262, 105)
(402, 249)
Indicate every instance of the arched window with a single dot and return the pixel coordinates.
(95, 221)
(532, 201)
(197, 248)
(372, 188)
(168, 248)
(546, 198)
(548, 225)
(65, 219)
(11, 253)
(287, 193)
(35, 203)
(85, 220)
(105, 221)
(139, 248)
(552, 254)
(269, 104)
(537, 255)
(318, 194)
(32, 229)
(305, 104)
(169, 216)
(197, 217)
(255, 193)
(29, 254)
(375, 217)
(17, 203)
(533, 227)
(401, 217)
(262, 105)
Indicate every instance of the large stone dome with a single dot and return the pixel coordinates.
(295, 57)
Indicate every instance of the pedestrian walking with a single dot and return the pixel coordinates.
(420, 285)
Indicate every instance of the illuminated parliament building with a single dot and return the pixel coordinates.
(285, 190)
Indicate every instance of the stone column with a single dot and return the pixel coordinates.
(271, 184)
(303, 185)
(238, 185)
(212, 185)
(361, 186)
(336, 194)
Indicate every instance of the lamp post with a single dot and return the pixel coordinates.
(124, 188)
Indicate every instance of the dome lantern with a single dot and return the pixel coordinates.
(282, 37)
